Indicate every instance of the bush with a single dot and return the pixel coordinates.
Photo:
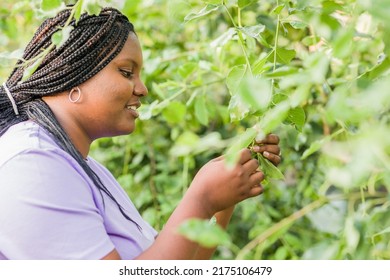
(314, 72)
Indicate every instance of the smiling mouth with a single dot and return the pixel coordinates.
(131, 107)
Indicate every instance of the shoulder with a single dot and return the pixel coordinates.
(23, 138)
(30, 158)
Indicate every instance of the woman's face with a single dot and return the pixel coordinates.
(109, 100)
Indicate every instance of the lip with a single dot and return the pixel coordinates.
(136, 104)
(133, 112)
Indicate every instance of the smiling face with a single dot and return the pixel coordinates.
(109, 100)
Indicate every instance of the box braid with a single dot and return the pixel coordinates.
(92, 44)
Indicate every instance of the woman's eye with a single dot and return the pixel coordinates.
(127, 74)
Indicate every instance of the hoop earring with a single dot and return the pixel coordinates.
(71, 94)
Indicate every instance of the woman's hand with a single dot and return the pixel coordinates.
(219, 187)
(269, 147)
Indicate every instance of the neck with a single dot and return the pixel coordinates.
(77, 136)
(73, 129)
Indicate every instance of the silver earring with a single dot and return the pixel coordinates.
(71, 95)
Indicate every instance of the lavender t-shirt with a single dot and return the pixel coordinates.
(50, 209)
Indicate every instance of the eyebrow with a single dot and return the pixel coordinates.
(128, 61)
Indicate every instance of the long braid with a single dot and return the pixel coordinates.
(92, 44)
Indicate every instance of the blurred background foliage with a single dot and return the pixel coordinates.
(314, 72)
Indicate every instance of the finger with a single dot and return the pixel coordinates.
(274, 149)
(245, 155)
(256, 178)
(256, 190)
(217, 159)
(275, 159)
(251, 166)
(269, 139)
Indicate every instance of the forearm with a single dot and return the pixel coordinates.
(223, 219)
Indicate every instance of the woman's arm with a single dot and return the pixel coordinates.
(214, 188)
(223, 219)
(214, 191)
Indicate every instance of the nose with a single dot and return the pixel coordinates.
(140, 89)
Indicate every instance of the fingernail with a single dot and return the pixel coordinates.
(256, 149)
(266, 154)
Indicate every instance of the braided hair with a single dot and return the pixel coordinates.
(92, 44)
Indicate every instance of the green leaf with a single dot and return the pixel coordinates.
(156, 88)
(274, 117)
(239, 142)
(284, 56)
(317, 65)
(298, 24)
(377, 70)
(253, 31)
(48, 5)
(205, 11)
(278, 9)
(259, 66)
(352, 235)
(234, 78)
(249, 94)
(320, 217)
(270, 171)
(201, 111)
(177, 10)
(256, 92)
(204, 233)
(244, 3)
(282, 72)
(213, 2)
(386, 230)
(238, 110)
(223, 38)
(300, 95)
(296, 116)
(175, 112)
(342, 45)
(188, 138)
(314, 147)
(325, 250)
(185, 144)
(148, 110)
(27, 73)
(92, 7)
(60, 37)
(311, 40)
(17, 54)
(78, 9)
(330, 6)
(187, 69)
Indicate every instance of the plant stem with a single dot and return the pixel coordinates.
(279, 226)
(299, 214)
(153, 172)
(275, 47)
(276, 44)
(241, 39)
(205, 84)
(71, 15)
(239, 17)
(186, 164)
(126, 160)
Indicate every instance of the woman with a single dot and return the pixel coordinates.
(56, 202)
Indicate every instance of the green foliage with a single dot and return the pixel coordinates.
(223, 72)
(205, 233)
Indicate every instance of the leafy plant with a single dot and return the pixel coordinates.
(221, 73)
